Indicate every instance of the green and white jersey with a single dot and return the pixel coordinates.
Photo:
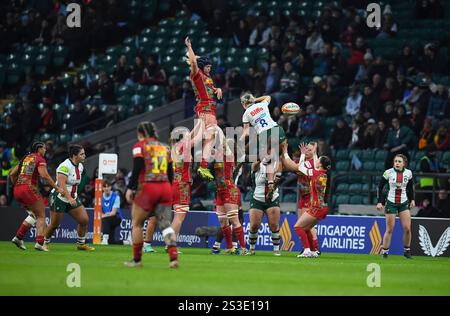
(398, 184)
(260, 184)
(258, 115)
(73, 173)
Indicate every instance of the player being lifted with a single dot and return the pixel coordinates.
(25, 177)
(259, 206)
(150, 181)
(257, 114)
(68, 176)
(318, 185)
(399, 201)
(206, 123)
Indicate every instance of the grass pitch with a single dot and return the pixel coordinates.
(31, 272)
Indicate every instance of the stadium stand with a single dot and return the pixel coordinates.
(366, 91)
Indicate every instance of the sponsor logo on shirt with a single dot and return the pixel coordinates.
(256, 111)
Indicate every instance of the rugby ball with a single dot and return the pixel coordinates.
(290, 108)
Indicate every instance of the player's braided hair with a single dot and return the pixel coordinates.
(36, 146)
(147, 129)
(325, 162)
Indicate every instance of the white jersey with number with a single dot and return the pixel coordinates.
(258, 115)
(398, 182)
(259, 192)
(73, 174)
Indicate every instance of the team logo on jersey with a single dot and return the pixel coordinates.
(286, 236)
(427, 246)
(375, 238)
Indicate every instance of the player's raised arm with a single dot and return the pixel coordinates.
(301, 165)
(266, 98)
(192, 57)
(288, 163)
(315, 156)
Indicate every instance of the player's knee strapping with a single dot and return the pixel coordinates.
(182, 209)
(222, 217)
(232, 214)
(30, 220)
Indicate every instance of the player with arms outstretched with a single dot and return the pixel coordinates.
(206, 124)
(149, 190)
(25, 177)
(318, 208)
(399, 201)
(304, 197)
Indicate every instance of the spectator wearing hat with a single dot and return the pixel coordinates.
(370, 134)
(362, 74)
(430, 62)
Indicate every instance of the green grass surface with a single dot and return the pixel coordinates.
(102, 273)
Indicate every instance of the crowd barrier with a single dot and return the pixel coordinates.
(337, 233)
